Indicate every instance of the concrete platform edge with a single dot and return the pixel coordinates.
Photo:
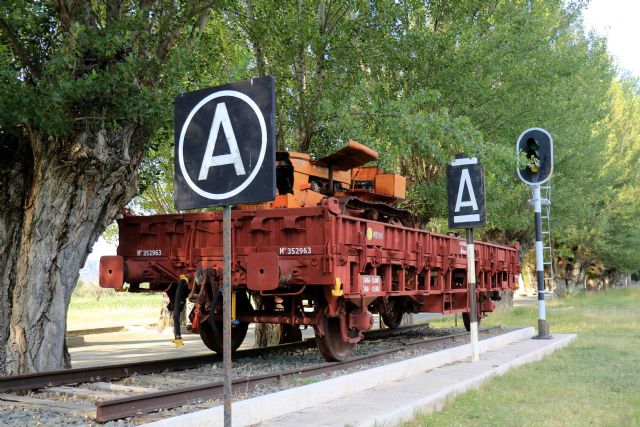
(438, 400)
(262, 408)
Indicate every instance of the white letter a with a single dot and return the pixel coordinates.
(465, 181)
(221, 116)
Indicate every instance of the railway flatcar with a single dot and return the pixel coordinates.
(329, 252)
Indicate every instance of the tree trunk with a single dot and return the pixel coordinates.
(407, 320)
(506, 301)
(55, 200)
(165, 319)
(529, 286)
(267, 334)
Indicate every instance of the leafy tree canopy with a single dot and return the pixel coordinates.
(422, 81)
(86, 91)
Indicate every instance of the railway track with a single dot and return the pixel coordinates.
(61, 377)
(38, 380)
(116, 401)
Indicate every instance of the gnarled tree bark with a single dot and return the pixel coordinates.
(55, 201)
(84, 86)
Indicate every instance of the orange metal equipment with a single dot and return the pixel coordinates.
(304, 182)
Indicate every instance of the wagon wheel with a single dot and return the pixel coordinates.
(393, 320)
(212, 336)
(392, 313)
(211, 331)
(466, 319)
(331, 345)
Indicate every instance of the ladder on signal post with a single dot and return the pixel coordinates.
(545, 193)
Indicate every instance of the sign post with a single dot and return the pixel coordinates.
(473, 301)
(466, 196)
(225, 155)
(226, 313)
(537, 145)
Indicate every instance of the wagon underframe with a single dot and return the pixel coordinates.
(317, 266)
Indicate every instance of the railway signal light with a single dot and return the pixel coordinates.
(537, 146)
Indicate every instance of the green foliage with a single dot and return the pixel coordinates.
(617, 229)
(418, 81)
(421, 82)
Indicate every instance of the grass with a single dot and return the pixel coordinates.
(111, 310)
(595, 381)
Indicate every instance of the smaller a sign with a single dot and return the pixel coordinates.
(465, 188)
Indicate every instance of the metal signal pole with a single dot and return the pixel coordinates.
(226, 313)
(543, 326)
(537, 145)
(471, 289)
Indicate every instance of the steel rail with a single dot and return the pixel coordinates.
(37, 380)
(108, 410)
(15, 383)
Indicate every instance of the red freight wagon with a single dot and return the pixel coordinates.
(329, 251)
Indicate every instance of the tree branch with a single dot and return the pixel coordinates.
(66, 12)
(199, 27)
(257, 48)
(89, 15)
(337, 17)
(19, 49)
(114, 11)
(172, 36)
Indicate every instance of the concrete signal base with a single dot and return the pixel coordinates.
(388, 394)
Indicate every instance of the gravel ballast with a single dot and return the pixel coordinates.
(15, 415)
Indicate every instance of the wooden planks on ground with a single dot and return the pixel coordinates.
(75, 409)
(122, 388)
(82, 392)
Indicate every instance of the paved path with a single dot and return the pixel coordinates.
(397, 401)
(385, 395)
(524, 300)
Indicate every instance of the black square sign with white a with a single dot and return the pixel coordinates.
(465, 188)
(225, 145)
